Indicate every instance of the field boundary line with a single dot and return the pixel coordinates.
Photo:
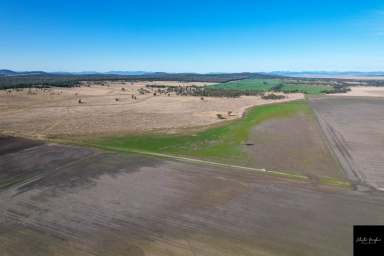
(260, 170)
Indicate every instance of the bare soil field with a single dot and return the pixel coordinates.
(371, 91)
(110, 109)
(75, 201)
(354, 127)
(294, 144)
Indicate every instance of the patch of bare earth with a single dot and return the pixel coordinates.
(114, 108)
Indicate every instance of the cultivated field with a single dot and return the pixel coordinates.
(63, 200)
(354, 126)
(294, 143)
(114, 108)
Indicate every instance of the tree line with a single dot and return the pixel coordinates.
(25, 81)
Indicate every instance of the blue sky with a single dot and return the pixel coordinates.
(192, 36)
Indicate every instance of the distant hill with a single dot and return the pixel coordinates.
(7, 72)
(128, 73)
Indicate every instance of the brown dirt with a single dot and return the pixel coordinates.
(354, 127)
(294, 144)
(75, 201)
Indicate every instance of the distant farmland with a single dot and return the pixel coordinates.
(281, 85)
(254, 85)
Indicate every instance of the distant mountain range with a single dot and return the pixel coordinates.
(308, 74)
(7, 72)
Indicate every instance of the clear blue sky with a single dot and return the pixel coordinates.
(198, 36)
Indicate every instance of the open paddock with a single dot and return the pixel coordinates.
(113, 108)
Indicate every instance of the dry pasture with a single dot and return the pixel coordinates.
(95, 109)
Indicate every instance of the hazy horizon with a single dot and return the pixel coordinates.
(209, 72)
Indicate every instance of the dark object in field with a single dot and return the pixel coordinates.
(80, 101)
(116, 99)
(249, 144)
(220, 116)
(272, 96)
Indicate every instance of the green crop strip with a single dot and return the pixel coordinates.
(266, 85)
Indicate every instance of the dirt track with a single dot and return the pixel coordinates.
(63, 200)
(354, 127)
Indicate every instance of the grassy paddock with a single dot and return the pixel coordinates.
(254, 85)
(217, 144)
(266, 85)
(307, 89)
